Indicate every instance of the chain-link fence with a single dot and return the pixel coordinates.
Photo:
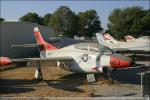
(103, 88)
(145, 86)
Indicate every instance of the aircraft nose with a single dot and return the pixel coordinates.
(120, 61)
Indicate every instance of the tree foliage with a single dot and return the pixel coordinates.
(1, 19)
(130, 20)
(146, 23)
(46, 19)
(64, 21)
(90, 23)
(31, 17)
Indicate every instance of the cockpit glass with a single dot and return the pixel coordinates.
(87, 46)
(94, 47)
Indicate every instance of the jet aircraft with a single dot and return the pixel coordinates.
(139, 39)
(138, 46)
(79, 58)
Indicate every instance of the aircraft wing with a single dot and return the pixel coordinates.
(26, 45)
(6, 60)
(42, 59)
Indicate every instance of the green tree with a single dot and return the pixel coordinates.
(146, 23)
(31, 17)
(64, 22)
(126, 21)
(1, 19)
(46, 19)
(90, 23)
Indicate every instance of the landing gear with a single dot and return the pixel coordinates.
(110, 79)
(108, 76)
(38, 73)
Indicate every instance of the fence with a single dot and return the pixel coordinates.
(145, 83)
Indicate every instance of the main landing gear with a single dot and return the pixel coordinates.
(108, 74)
(38, 73)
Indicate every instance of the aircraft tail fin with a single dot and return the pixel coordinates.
(38, 36)
(129, 38)
(100, 38)
(109, 39)
(44, 47)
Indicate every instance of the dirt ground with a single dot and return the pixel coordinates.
(56, 82)
(20, 82)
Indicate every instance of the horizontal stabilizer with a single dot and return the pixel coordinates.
(26, 45)
(125, 50)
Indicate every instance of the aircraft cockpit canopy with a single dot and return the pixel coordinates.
(87, 46)
(94, 47)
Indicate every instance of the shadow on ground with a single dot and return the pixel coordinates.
(17, 82)
(128, 76)
(15, 85)
(69, 82)
(16, 89)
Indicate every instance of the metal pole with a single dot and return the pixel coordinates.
(142, 85)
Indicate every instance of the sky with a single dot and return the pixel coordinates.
(13, 10)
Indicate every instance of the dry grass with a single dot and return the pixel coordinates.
(56, 82)
(19, 82)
